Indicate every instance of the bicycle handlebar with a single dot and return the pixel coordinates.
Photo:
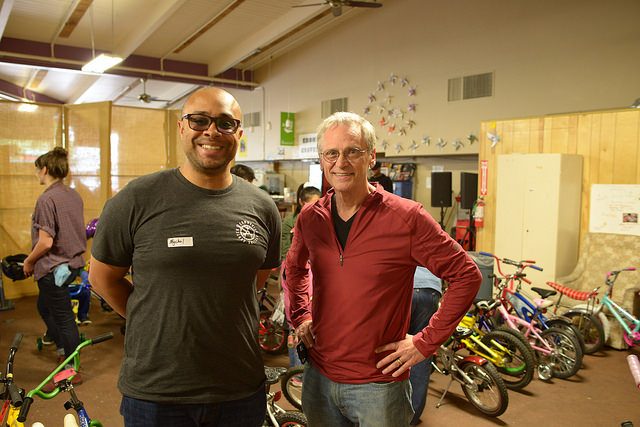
(28, 400)
(16, 341)
(634, 367)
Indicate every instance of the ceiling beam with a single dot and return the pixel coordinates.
(5, 11)
(72, 58)
(27, 94)
(254, 43)
(74, 18)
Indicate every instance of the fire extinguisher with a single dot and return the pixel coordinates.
(478, 213)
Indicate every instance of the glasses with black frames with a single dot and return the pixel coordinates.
(351, 154)
(201, 122)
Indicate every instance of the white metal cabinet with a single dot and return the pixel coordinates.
(538, 211)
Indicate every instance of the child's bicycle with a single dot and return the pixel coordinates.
(12, 396)
(506, 348)
(276, 416)
(629, 323)
(62, 379)
(516, 302)
(478, 378)
(272, 336)
(590, 325)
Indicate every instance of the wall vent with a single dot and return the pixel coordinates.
(333, 106)
(251, 119)
(469, 87)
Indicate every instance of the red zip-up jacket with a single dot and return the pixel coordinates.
(362, 294)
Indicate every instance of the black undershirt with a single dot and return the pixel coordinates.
(342, 227)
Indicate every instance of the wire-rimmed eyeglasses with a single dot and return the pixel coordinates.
(351, 154)
(201, 122)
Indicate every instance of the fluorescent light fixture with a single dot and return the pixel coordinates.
(27, 107)
(8, 97)
(101, 63)
(636, 103)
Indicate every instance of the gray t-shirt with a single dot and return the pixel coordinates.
(192, 318)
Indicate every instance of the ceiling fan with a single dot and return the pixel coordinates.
(336, 5)
(145, 98)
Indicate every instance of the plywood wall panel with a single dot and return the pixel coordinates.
(626, 147)
(607, 143)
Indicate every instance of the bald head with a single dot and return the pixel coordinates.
(215, 97)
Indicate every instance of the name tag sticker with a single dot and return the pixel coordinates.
(179, 242)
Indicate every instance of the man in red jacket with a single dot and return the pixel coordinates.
(364, 245)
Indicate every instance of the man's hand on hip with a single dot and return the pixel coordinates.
(403, 356)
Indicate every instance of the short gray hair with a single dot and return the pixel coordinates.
(352, 120)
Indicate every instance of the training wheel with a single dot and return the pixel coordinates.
(544, 372)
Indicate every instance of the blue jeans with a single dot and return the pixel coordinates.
(247, 412)
(423, 305)
(330, 404)
(54, 306)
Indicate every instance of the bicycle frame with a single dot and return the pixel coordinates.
(63, 383)
(631, 335)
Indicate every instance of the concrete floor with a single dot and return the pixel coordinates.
(602, 394)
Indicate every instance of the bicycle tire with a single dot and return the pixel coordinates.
(272, 338)
(591, 329)
(517, 364)
(567, 359)
(485, 378)
(292, 392)
(566, 324)
(291, 419)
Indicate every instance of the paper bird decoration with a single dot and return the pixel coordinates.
(426, 140)
(372, 98)
(404, 82)
(388, 99)
(494, 138)
(367, 111)
(410, 124)
(441, 143)
(391, 128)
(472, 138)
(381, 110)
(383, 121)
(413, 145)
(385, 144)
(412, 91)
(412, 108)
(402, 132)
(380, 86)
(393, 78)
(399, 148)
(458, 144)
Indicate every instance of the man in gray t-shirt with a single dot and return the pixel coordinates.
(195, 239)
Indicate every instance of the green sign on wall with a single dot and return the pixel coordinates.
(287, 126)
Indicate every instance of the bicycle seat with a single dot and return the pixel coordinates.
(544, 293)
(573, 293)
(487, 305)
(63, 375)
(462, 332)
(273, 374)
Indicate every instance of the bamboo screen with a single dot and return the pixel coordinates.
(608, 141)
(108, 147)
(26, 132)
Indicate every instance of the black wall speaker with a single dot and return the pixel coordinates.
(440, 189)
(468, 189)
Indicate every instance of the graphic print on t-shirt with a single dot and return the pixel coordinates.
(247, 232)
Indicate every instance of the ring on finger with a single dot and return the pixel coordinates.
(399, 361)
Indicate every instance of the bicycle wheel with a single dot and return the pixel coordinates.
(565, 324)
(487, 392)
(291, 419)
(566, 356)
(516, 362)
(590, 328)
(291, 385)
(272, 337)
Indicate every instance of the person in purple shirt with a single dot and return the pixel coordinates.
(58, 243)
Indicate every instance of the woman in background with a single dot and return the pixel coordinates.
(58, 243)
